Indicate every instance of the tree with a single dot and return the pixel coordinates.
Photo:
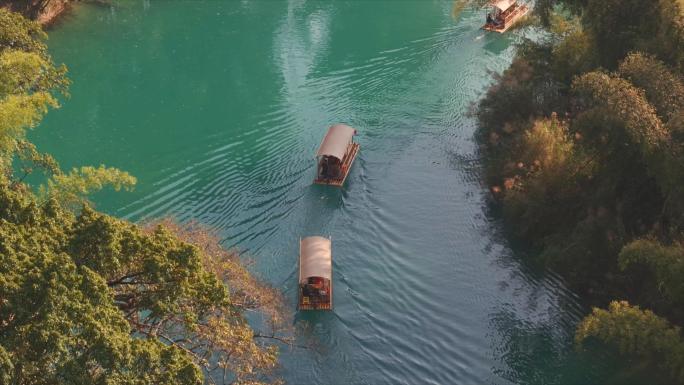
(27, 80)
(60, 323)
(16, 32)
(621, 26)
(599, 198)
(174, 291)
(664, 89)
(649, 343)
(112, 302)
(72, 190)
(665, 262)
(543, 177)
(621, 101)
(573, 55)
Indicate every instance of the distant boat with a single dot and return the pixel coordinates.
(315, 273)
(504, 14)
(336, 155)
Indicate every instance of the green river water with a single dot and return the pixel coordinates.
(217, 107)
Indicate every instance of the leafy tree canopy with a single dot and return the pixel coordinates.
(646, 340)
(599, 198)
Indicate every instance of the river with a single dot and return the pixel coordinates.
(218, 107)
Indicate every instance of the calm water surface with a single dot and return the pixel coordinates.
(218, 107)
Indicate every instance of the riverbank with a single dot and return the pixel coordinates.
(583, 148)
(45, 12)
(42, 11)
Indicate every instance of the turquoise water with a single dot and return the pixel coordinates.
(218, 108)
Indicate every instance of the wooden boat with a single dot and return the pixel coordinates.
(336, 155)
(504, 14)
(315, 274)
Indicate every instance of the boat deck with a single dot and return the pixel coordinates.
(306, 304)
(346, 166)
(510, 21)
(321, 306)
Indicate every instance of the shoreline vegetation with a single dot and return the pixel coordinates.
(87, 298)
(582, 141)
(44, 12)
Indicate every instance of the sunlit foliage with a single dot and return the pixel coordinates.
(28, 79)
(606, 208)
(542, 172)
(648, 342)
(664, 89)
(60, 321)
(72, 189)
(86, 298)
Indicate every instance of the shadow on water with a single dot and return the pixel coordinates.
(538, 352)
(533, 336)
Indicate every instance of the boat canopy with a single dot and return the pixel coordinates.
(503, 5)
(336, 141)
(315, 258)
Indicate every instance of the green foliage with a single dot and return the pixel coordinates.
(60, 320)
(71, 190)
(17, 113)
(648, 342)
(573, 55)
(621, 26)
(6, 366)
(588, 191)
(113, 303)
(29, 157)
(17, 32)
(20, 71)
(665, 262)
(625, 102)
(27, 79)
(664, 89)
(536, 183)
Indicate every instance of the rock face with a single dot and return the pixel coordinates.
(43, 11)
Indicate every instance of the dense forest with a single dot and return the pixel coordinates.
(583, 146)
(86, 298)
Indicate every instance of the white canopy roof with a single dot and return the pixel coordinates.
(315, 258)
(336, 141)
(503, 5)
